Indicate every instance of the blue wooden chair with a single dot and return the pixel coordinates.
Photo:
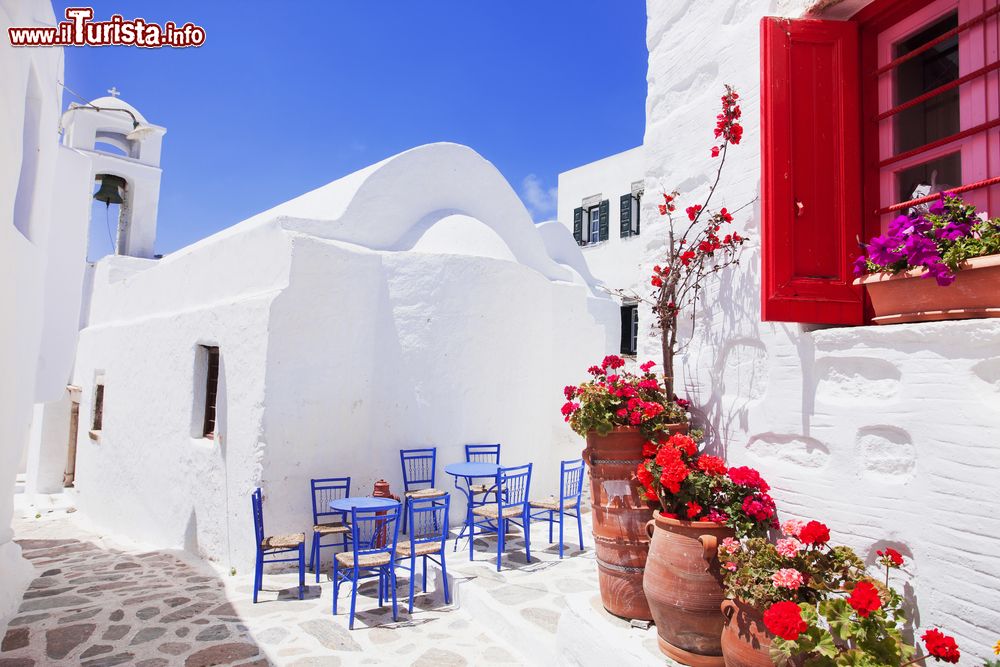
(480, 453)
(428, 533)
(568, 502)
(374, 536)
(418, 476)
(327, 521)
(275, 545)
(511, 506)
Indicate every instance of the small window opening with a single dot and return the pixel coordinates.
(97, 416)
(630, 328)
(211, 390)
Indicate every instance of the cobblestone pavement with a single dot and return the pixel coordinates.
(97, 603)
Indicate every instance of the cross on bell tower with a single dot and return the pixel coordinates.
(113, 91)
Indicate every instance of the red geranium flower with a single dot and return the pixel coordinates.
(941, 646)
(745, 476)
(784, 619)
(814, 532)
(683, 443)
(864, 598)
(692, 509)
(712, 465)
(648, 449)
(891, 557)
(643, 475)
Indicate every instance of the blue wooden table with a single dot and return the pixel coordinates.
(362, 503)
(468, 472)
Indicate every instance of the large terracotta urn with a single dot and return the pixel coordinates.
(620, 513)
(746, 642)
(683, 585)
(910, 297)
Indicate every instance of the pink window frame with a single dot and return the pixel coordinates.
(979, 101)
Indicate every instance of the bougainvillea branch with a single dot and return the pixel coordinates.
(695, 248)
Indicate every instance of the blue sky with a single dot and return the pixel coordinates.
(286, 96)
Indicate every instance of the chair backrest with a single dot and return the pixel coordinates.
(326, 489)
(428, 519)
(478, 453)
(513, 485)
(374, 531)
(571, 479)
(258, 516)
(418, 467)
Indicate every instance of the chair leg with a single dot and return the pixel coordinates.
(381, 589)
(314, 558)
(527, 542)
(579, 526)
(425, 575)
(472, 533)
(406, 501)
(413, 571)
(562, 521)
(392, 584)
(257, 575)
(501, 533)
(354, 598)
(302, 571)
(444, 577)
(336, 585)
(550, 526)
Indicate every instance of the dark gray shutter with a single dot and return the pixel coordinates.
(626, 215)
(638, 208)
(578, 225)
(603, 221)
(626, 329)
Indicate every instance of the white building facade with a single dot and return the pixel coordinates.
(600, 203)
(370, 315)
(886, 433)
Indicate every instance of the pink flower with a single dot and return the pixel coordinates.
(787, 578)
(792, 527)
(731, 566)
(729, 545)
(788, 547)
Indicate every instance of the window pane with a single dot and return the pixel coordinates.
(937, 117)
(948, 174)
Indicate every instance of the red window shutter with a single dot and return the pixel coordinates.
(811, 171)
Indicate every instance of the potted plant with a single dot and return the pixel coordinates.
(800, 567)
(702, 504)
(617, 411)
(860, 624)
(949, 242)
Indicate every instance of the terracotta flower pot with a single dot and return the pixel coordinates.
(619, 515)
(746, 641)
(683, 585)
(908, 297)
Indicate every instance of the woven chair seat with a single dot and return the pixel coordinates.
(426, 493)
(490, 511)
(423, 549)
(346, 558)
(480, 488)
(283, 541)
(552, 503)
(331, 528)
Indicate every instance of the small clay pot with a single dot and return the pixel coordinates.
(746, 641)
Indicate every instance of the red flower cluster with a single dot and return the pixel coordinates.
(890, 557)
(784, 619)
(864, 599)
(745, 476)
(712, 465)
(674, 470)
(612, 361)
(941, 646)
(759, 507)
(687, 256)
(727, 126)
(693, 211)
(667, 206)
(814, 533)
(658, 273)
(692, 509)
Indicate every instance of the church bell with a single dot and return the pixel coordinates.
(111, 189)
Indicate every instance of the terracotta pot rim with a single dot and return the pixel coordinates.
(629, 429)
(687, 524)
(972, 263)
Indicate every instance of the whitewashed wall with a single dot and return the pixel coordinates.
(30, 99)
(413, 303)
(888, 434)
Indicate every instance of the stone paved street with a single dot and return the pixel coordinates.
(96, 603)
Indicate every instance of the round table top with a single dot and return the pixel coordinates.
(475, 469)
(362, 503)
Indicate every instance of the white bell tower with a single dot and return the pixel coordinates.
(122, 145)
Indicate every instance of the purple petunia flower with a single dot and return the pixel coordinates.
(860, 266)
(937, 206)
(954, 231)
(899, 225)
(921, 251)
(885, 249)
(941, 273)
